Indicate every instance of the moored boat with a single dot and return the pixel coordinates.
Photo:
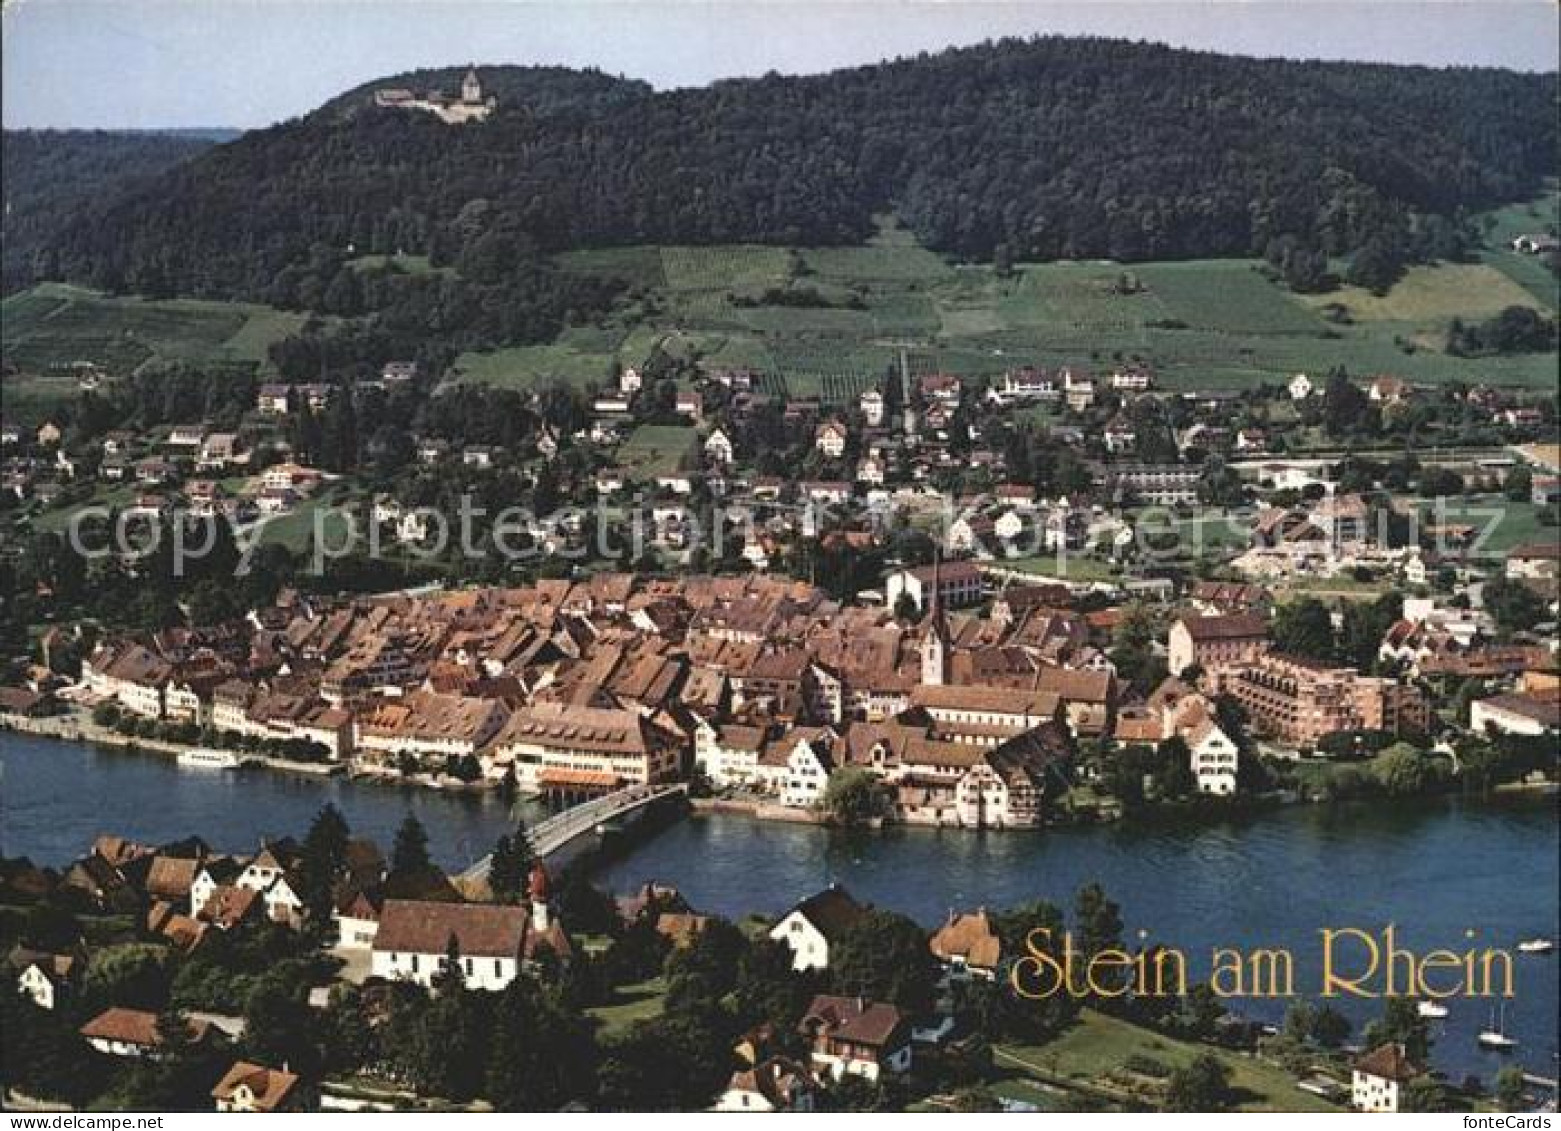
(1430, 1009)
(1536, 946)
(202, 759)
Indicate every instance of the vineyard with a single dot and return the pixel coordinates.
(838, 317)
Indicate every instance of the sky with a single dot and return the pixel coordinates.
(183, 63)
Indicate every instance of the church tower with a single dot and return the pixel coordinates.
(539, 889)
(935, 635)
(471, 88)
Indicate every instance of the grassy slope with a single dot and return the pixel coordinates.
(1203, 322)
(50, 327)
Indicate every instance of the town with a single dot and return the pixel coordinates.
(808, 561)
(1243, 628)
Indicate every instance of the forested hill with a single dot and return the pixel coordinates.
(52, 175)
(1037, 149)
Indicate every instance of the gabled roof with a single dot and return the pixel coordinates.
(969, 936)
(1390, 1062)
(830, 911)
(875, 1024)
(270, 1087)
(424, 927)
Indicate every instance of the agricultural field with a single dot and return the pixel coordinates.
(1203, 323)
(52, 327)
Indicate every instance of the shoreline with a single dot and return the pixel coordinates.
(72, 727)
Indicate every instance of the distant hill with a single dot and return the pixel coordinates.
(1052, 148)
(51, 176)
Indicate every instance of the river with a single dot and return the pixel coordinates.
(1435, 869)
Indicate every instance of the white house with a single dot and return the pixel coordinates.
(718, 447)
(809, 927)
(47, 979)
(807, 773)
(1301, 387)
(1378, 1078)
(831, 439)
(872, 405)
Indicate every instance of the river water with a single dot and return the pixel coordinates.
(1435, 870)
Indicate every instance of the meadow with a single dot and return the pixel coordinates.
(47, 330)
(1203, 323)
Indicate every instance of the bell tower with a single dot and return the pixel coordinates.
(471, 88)
(935, 635)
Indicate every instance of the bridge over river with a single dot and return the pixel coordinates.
(558, 830)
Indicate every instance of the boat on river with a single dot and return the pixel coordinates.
(203, 759)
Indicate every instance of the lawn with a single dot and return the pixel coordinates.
(1097, 1046)
(1073, 567)
(655, 449)
(568, 361)
(639, 1001)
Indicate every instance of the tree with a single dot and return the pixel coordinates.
(1423, 1094)
(1404, 770)
(1509, 1088)
(1402, 1024)
(527, 1074)
(1513, 605)
(854, 796)
(1330, 1028)
(1304, 628)
(450, 978)
(1201, 1085)
(279, 1026)
(510, 868)
(1519, 485)
(1098, 927)
(409, 854)
(322, 859)
(1346, 409)
(1132, 647)
(883, 956)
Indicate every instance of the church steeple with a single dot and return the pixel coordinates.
(471, 87)
(935, 633)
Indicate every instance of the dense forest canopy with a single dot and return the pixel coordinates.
(1025, 149)
(52, 176)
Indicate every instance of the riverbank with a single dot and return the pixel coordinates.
(1434, 867)
(74, 727)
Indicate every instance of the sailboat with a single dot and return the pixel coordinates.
(1496, 1037)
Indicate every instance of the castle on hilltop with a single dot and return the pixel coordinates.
(471, 106)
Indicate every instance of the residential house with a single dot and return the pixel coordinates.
(1378, 1079)
(968, 945)
(854, 1037)
(133, 1033)
(810, 927)
(251, 1087)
